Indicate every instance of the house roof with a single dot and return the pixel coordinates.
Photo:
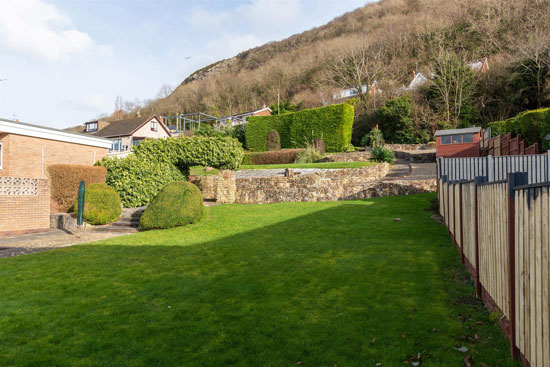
(469, 130)
(127, 127)
(37, 131)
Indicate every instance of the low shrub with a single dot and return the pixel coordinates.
(349, 148)
(177, 204)
(273, 141)
(382, 154)
(319, 145)
(65, 179)
(308, 155)
(282, 156)
(101, 204)
(138, 181)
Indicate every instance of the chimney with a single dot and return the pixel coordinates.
(16, 120)
(139, 113)
(414, 73)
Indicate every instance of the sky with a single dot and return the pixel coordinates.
(64, 62)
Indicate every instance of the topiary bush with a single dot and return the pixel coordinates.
(101, 204)
(273, 141)
(139, 177)
(382, 154)
(177, 204)
(65, 179)
(531, 123)
(333, 124)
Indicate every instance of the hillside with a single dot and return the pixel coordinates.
(385, 42)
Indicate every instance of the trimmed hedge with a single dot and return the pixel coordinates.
(179, 203)
(282, 156)
(138, 181)
(101, 204)
(333, 124)
(533, 126)
(155, 163)
(65, 180)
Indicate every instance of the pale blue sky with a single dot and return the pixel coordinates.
(67, 60)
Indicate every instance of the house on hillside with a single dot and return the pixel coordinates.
(127, 133)
(418, 80)
(240, 119)
(346, 93)
(481, 66)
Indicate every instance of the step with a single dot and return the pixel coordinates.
(118, 229)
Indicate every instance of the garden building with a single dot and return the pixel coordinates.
(458, 142)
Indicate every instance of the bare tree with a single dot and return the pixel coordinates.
(360, 65)
(453, 82)
(164, 91)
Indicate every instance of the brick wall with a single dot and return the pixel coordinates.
(24, 205)
(26, 156)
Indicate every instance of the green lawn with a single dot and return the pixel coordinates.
(310, 165)
(310, 284)
(200, 171)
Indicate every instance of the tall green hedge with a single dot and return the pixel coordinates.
(333, 124)
(533, 125)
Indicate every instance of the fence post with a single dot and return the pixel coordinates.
(478, 180)
(461, 224)
(448, 207)
(514, 179)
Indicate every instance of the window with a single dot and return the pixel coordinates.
(153, 125)
(446, 139)
(456, 139)
(137, 141)
(117, 145)
(91, 126)
(1, 154)
(468, 138)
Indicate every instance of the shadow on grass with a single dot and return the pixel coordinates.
(275, 285)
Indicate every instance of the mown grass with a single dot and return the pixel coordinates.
(201, 171)
(310, 284)
(322, 165)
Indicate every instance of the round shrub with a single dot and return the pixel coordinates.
(382, 154)
(273, 141)
(177, 204)
(101, 204)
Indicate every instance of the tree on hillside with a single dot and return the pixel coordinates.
(453, 86)
(360, 65)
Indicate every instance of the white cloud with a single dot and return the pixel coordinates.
(93, 104)
(230, 44)
(36, 28)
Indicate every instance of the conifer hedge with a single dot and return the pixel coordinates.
(333, 124)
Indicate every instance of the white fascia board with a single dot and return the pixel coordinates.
(52, 134)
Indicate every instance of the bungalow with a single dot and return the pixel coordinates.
(124, 134)
(352, 92)
(26, 151)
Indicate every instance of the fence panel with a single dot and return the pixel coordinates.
(457, 214)
(468, 220)
(496, 168)
(493, 242)
(532, 227)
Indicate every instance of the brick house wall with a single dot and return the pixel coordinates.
(24, 205)
(458, 150)
(26, 156)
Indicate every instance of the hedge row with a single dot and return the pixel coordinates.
(139, 177)
(282, 156)
(533, 126)
(333, 124)
(65, 179)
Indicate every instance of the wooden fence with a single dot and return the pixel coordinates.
(502, 229)
(504, 145)
(495, 168)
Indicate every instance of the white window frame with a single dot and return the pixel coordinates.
(154, 125)
(1, 154)
(89, 127)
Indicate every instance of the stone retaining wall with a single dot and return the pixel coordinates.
(342, 184)
(410, 147)
(419, 156)
(360, 156)
(220, 188)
